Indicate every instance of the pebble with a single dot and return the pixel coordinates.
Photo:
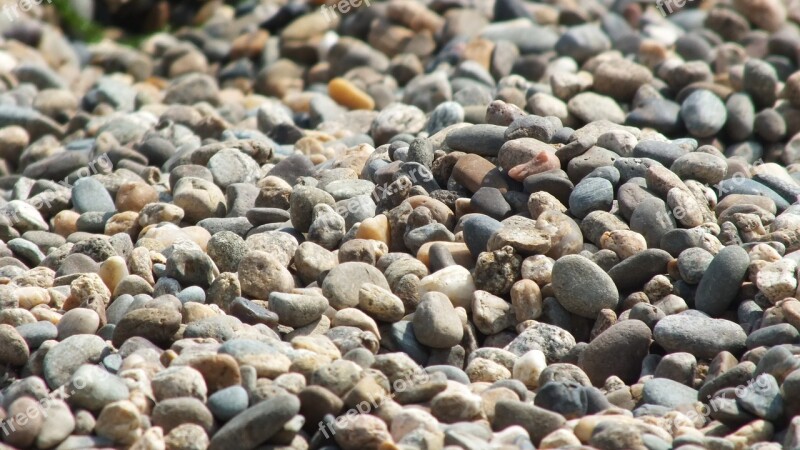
(703, 113)
(591, 194)
(342, 284)
(631, 337)
(596, 291)
(15, 350)
(88, 195)
(666, 392)
(436, 323)
(227, 403)
(721, 280)
(701, 336)
(591, 107)
(577, 223)
(483, 140)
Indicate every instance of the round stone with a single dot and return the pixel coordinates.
(595, 292)
(703, 113)
(342, 284)
(436, 323)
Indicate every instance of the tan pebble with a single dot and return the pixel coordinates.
(78, 321)
(317, 158)
(585, 427)
(57, 297)
(490, 397)
(24, 433)
(124, 222)
(309, 146)
(380, 303)
(193, 311)
(120, 422)
(625, 243)
(306, 363)
(84, 286)
(558, 439)
(376, 228)
(482, 369)
(139, 263)
(45, 313)
(199, 235)
(199, 199)
(349, 95)
(480, 50)
(31, 296)
(764, 252)
(299, 102)
(538, 268)
(133, 285)
(755, 431)
(249, 45)
(219, 371)
(14, 139)
(526, 299)
(317, 344)
(318, 328)
(112, 271)
(65, 222)
(16, 317)
(166, 234)
(769, 15)
(463, 207)
(652, 52)
(541, 201)
(38, 276)
(151, 439)
(154, 213)
(791, 311)
(133, 196)
(188, 436)
(353, 317)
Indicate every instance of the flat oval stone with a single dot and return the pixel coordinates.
(632, 273)
(594, 292)
(703, 167)
(703, 113)
(652, 219)
(722, 280)
(666, 392)
(704, 337)
(664, 152)
(554, 182)
(89, 194)
(747, 186)
(591, 194)
(484, 139)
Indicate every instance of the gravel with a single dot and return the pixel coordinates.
(513, 224)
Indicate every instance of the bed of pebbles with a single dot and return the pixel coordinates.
(449, 224)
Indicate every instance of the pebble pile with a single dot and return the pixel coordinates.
(404, 225)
